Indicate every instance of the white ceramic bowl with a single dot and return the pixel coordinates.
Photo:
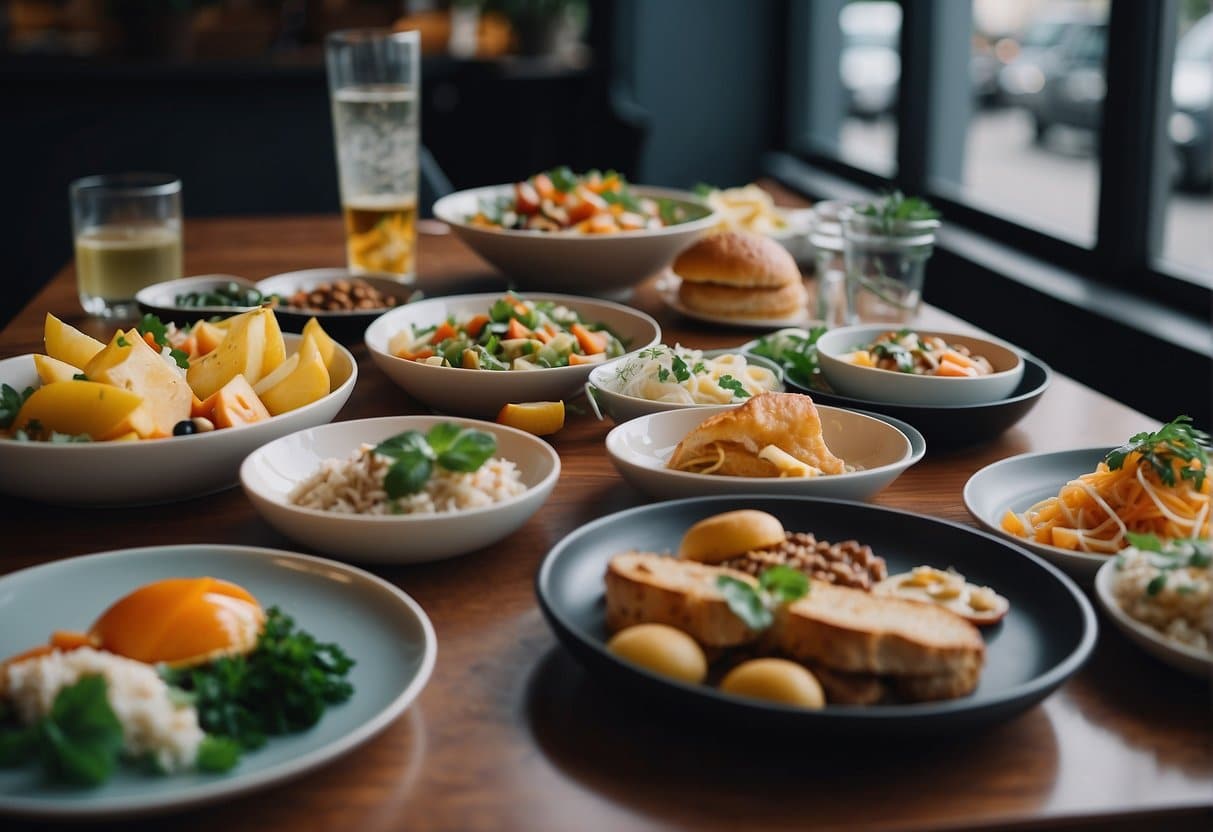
(891, 387)
(569, 261)
(1180, 656)
(153, 470)
(271, 472)
(621, 408)
(483, 392)
(882, 449)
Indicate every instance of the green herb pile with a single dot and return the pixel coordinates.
(1176, 441)
(1170, 557)
(281, 687)
(756, 605)
(795, 350)
(896, 209)
(414, 455)
(230, 294)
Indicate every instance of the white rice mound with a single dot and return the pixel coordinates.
(1182, 610)
(355, 486)
(151, 721)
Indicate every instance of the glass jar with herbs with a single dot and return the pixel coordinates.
(886, 245)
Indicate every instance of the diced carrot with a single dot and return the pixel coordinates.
(32, 653)
(151, 341)
(590, 342)
(517, 330)
(70, 639)
(202, 407)
(237, 404)
(1013, 524)
(947, 368)
(609, 183)
(519, 307)
(957, 358)
(603, 224)
(190, 347)
(416, 356)
(443, 332)
(1065, 538)
(542, 335)
(475, 325)
(551, 328)
(585, 203)
(544, 187)
(596, 358)
(526, 198)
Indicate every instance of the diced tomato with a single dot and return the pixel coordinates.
(526, 198)
(476, 325)
(517, 330)
(590, 342)
(584, 204)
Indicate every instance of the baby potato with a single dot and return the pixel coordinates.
(661, 649)
(777, 680)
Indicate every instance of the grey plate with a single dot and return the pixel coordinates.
(1044, 639)
(383, 629)
(1021, 481)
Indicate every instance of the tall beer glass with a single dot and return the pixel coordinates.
(374, 86)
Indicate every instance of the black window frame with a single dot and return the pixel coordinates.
(1133, 193)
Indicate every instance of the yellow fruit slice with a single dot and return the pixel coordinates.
(207, 336)
(328, 347)
(68, 344)
(241, 353)
(539, 418)
(127, 362)
(307, 381)
(52, 369)
(75, 407)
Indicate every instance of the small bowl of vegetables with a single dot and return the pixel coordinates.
(472, 354)
(662, 378)
(591, 233)
(884, 363)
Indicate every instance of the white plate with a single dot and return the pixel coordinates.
(881, 446)
(483, 392)
(271, 472)
(569, 261)
(1021, 481)
(151, 470)
(384, 631)
(1180, 656)
(667, 288)
(879, 385)
(621, 408)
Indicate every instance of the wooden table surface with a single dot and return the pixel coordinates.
(512, 734)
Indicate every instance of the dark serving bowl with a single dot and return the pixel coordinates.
(1048, 634)
(346, 326)
(952, 426)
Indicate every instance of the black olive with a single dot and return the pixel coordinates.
(184, 428)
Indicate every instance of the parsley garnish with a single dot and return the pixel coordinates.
(681, 371)
(755, 605)
(896, 208)
(1170, 556)
(447, 445)
(1175, 441)
(10, 403)
(793, 349)
(79, 377)
(122, 342)
(729, 383)
(150, 323)
(663, 374)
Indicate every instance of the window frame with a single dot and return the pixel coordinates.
(1131, 203)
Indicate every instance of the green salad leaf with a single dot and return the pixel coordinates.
(793, 349)
(756, 605)
(11, 401)
(414, 454)
(1176, 440)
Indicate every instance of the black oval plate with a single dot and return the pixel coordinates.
(1045, 638)
(954, 426)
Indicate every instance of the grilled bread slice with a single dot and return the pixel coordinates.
(855, 631)
(646, 588)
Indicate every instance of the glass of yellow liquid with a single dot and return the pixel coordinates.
(374, 87)
(127, 228)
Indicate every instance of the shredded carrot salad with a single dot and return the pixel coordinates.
(1157, 484)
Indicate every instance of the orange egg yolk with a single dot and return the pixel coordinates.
(181, 622)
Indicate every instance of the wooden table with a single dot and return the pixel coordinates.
(512, 734)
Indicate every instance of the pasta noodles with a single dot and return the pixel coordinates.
(684, 376)
(1144, 488)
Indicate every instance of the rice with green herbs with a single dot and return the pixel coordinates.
(1180, 605)
(355, 486)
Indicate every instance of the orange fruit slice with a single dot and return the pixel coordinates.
(539, 418)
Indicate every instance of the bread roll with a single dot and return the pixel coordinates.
(740, 259)
(789, 301)
(727, 535)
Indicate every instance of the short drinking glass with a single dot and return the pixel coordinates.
(885, 264)
(374, 87)
(127, 229)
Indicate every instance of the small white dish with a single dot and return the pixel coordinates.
(667, 289)
(569, 261)
(385, 631)
(1178, 655)
(881, 448)
(891, 387)
(151, 470)
(271, 472)
(483, 392)
(607, 402)
(1018, 482)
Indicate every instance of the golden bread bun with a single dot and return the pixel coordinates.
(738, 258)
(729, 302)
(727, 535)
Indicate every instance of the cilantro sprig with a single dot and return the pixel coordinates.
(414, 455)
(756, 605)
(727, 382)
(1175, 441)
(895, 208)
(11, 400)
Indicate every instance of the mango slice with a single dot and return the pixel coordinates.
(241, 353)
(68, 344)
(100, 410)
(306, 383)
(52, 369)
(328, 347)
(237, 404)
(128, 363)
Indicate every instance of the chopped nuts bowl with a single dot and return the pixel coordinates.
(344, 303)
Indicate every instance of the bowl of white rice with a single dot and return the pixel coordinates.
(325, 488)
(1165, 609)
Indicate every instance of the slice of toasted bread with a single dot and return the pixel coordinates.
(940, 686)
(851, 630)
(850, 688)
(646, 588)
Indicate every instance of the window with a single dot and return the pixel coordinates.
(1187, 237)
